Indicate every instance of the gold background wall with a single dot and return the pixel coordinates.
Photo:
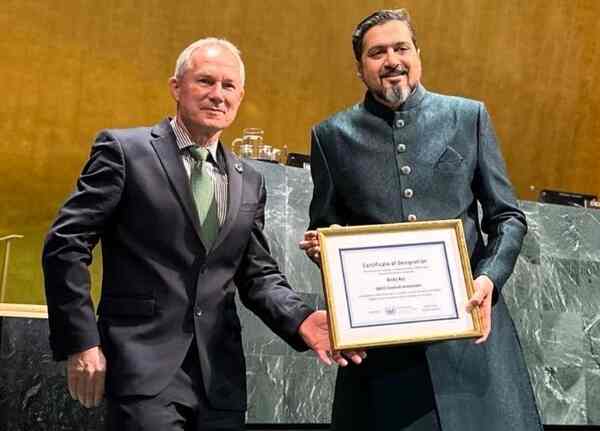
(72, 67)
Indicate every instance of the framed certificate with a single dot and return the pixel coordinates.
(397, 283)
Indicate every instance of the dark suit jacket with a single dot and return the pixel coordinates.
(160, 288)
(359, 162)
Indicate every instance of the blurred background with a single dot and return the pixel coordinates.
(72, 67)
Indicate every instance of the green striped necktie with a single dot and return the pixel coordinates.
(203, 188)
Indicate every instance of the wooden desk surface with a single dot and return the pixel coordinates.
(24, 310)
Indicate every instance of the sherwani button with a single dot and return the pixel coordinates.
(408, 193)
(401, 148)
(406, 170)
(412, 217)
(400, 123)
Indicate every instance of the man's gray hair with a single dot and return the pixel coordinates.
(183, 61)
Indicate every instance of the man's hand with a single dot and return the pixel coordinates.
(484, 287)
(310, 245)
(315, 333)
(85, 375)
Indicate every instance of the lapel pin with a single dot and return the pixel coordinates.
(239, 167)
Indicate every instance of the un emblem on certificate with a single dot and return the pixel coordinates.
(391, 311)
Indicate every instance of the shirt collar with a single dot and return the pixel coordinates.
(184, 139)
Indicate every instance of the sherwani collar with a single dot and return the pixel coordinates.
(380, 110)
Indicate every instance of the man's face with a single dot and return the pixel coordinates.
(210, 91)
(390, 65)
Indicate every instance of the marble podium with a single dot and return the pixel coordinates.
(554, 297)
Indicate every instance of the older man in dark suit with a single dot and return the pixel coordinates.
(180, 219)
(407, 154)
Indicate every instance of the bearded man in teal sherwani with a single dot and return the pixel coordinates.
(407, 154)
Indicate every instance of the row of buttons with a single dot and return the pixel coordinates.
(405, 170)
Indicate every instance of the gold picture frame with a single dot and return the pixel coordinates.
(397, 283)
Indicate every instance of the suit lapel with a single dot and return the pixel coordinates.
(165, 145)
(234, 193)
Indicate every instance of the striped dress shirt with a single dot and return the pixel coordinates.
(216, 166)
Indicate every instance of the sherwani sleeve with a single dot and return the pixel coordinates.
(324, 205)
(502, 221)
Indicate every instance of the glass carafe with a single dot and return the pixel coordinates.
(248, 145)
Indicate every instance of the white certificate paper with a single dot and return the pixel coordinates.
(394, 284)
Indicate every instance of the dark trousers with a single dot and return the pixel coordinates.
(390, 391)
(181, 406)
